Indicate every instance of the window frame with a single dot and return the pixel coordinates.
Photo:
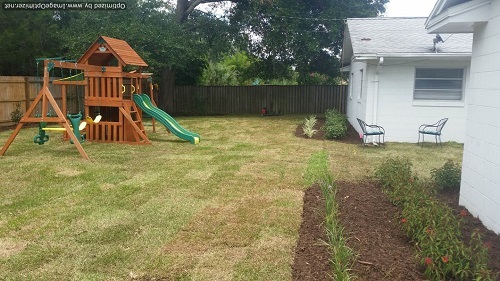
(361, 80)
(438, 91)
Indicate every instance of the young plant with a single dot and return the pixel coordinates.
(342, 257)
(16, 114)
(308, 126)
(447, 177)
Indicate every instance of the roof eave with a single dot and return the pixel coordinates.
(460, 18)
(464, 56)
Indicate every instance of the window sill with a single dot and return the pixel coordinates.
(438, 103)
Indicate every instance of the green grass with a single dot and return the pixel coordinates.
(226, 209)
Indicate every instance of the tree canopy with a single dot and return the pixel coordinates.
(276, 35)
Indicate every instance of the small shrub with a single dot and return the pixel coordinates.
(308, 126)
(447, 177)
(16, 114)
(335, 125)
(432, 226)
(394, 172)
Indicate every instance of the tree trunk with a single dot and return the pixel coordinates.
(180, 10)
(166, 98)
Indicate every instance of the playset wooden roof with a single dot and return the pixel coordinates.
(105, 49)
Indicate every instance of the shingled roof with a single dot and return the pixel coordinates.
(399, 37)
(115, 48)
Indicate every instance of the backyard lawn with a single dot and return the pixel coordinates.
(228, 208)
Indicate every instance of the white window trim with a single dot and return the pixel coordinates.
(360, 95)
(351, 86)
(437, 102)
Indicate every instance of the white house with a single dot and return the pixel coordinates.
(480, 187)
(400, 78)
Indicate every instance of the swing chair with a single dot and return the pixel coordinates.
(95, 120)
(74, 119)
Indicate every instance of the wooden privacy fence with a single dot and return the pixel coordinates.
(198, 100)
(251, 99)
(20, 90)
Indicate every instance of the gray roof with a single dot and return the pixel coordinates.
(399, 37)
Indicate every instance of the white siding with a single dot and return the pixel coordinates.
(396, 110)
(480, 189)
(356, 108)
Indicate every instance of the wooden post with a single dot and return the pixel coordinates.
(27, 94)
(46, 98)
(151, 95)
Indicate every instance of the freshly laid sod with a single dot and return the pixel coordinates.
(228, 208)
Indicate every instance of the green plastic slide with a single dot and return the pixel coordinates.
(144, 102)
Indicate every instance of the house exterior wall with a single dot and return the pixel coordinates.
(389, 102)
(480, 187)
(356, 107)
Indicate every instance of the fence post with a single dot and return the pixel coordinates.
(27, 96)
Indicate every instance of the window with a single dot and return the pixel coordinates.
(439, 84)
(351, 83)
(361, 85)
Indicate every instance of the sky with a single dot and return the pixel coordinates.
(409, 8)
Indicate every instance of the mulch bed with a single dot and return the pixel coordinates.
(372, 226)
(351, 136)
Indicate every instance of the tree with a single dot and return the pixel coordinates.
(24, 40)
(152, 31)
(219, 74)
(304, 33)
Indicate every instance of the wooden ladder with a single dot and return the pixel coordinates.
(132, 115)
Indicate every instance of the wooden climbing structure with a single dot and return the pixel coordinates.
(108, 93)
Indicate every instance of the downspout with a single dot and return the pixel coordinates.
(375, 91)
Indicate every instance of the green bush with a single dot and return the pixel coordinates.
(432, 226)
(16, 114)
(447, 177)
(394, 172)
(335, 125)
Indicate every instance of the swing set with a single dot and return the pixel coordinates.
(105, 96)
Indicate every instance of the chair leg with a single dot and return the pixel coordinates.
(423, 139)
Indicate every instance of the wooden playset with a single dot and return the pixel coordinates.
(111, 115)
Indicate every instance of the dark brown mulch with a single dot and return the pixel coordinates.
(451, 197)
(372, 227)
(351, 136)
(371, 224)
(311, 255)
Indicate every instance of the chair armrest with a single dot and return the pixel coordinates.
(377, 127)
(425, 126)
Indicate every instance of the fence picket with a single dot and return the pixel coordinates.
(194, 100)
